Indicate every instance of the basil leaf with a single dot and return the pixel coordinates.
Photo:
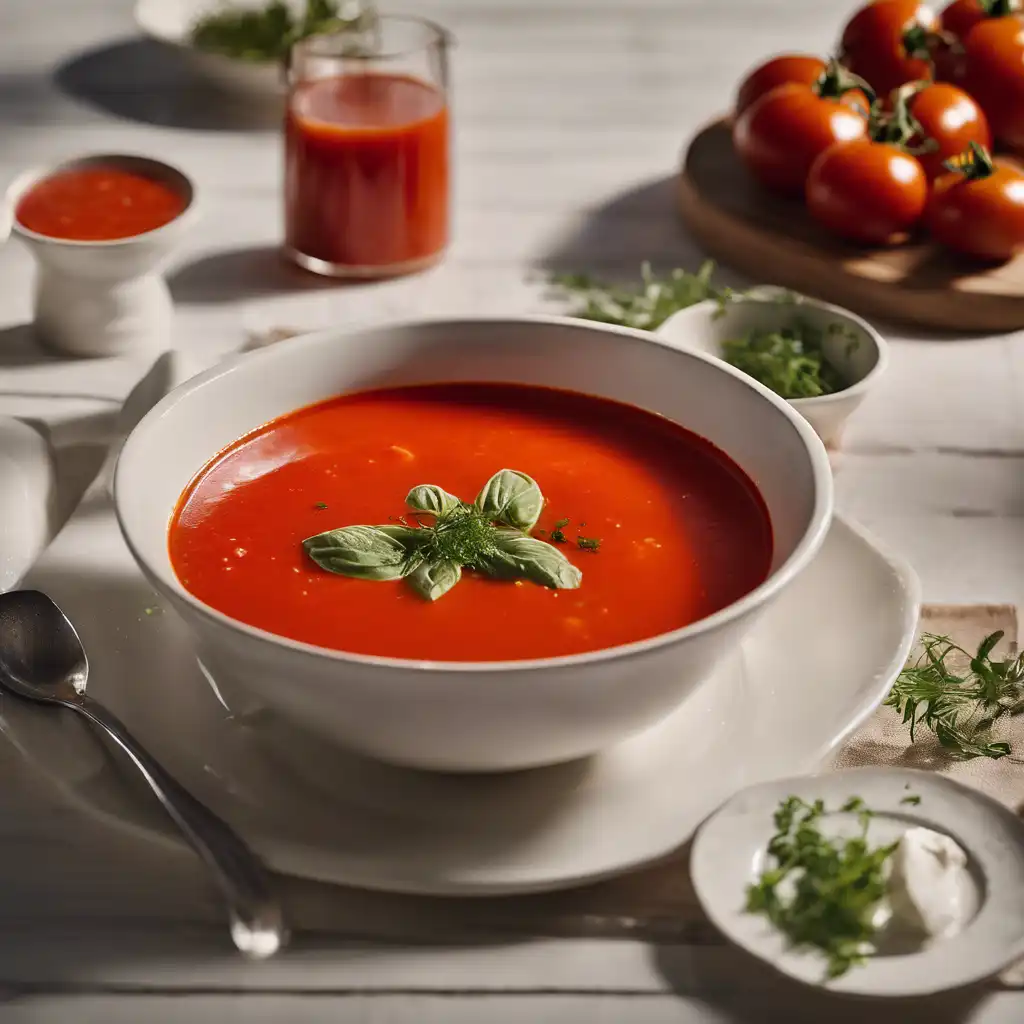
(431, 498)
(361, 552)
(512, 498)
(410, 537)
(532, 559)
(434, 579)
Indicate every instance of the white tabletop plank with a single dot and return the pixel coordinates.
(570, 116)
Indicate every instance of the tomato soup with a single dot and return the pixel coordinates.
(672, 529)
(98, 203)
(366, 172)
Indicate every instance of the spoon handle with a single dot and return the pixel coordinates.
(257, 924)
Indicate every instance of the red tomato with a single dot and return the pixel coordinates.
(796, 68)
(994, 75)
(872, 43)
(981, 212)
(961, 16)
(957, 21)
(782, 134)
(867, 192)
(952, 120)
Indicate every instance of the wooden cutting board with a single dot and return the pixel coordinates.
(775, 241)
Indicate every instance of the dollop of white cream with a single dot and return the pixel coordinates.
(928, 884)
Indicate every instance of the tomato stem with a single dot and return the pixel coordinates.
(974, 163)
(899, 127)
(999, 8)
(921, 43)
(835, 81)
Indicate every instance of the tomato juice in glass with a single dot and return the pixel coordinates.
(366, 152)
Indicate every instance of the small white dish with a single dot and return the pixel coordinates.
(777, 706)
(27, 494)
(171, 22)
(859, 353)
(730, 847)
(104, 298)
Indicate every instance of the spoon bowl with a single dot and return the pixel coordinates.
(41, 654)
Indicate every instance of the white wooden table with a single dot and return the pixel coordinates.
(570, 116)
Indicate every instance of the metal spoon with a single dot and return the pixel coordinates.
(42, 659)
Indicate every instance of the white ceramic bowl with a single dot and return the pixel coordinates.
(171, 21)
(859, 353)
(104, 298)
(458, 716)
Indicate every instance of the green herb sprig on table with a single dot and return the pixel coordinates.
(491, 536)
(645, 306)
(790, 361)
(832, 886)
(960, 708)
(264, 34)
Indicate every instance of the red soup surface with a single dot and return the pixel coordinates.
(366, 170)
(683, 532)
(98, 204)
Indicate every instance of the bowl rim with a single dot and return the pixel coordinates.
(803, 553)
(32, 176)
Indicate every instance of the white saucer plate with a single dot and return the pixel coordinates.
(731, 845)
(814, 666)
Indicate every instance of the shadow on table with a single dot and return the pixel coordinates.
(147, 81)
(243, 274)
(19, 347)
(611, 240)
(746, 991)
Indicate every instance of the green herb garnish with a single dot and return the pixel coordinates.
(960, 708)
(790, 360)
(320, 505)
(588, 543)
(490, 536)
(911, 800)
(557, 534)
(832, 886)
(646, 306)
(264, 34)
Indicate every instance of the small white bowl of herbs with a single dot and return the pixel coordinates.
(242, 46)
(872, 882)
(822, 359)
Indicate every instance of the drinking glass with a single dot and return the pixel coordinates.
(367, 149)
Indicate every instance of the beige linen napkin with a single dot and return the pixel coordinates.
(884, 741)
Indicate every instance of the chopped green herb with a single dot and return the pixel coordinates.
(645, 306)
(911, 800)
(589, 543)
(790, 361)
(834, 885)
(320, 505)
(960, 707)
(152, 609)
(557, 534)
